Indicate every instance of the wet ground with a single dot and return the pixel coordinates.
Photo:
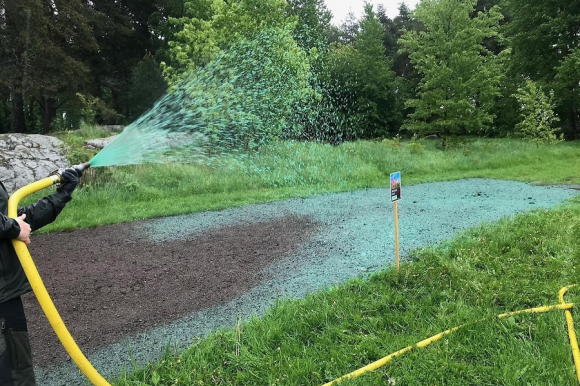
(127, 291)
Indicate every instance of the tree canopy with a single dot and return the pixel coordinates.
(447, 67)
(460, 76)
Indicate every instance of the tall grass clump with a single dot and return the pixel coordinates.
(304, 164)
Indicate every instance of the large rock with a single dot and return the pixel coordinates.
(25, 158)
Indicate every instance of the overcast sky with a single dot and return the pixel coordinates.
(340, 8)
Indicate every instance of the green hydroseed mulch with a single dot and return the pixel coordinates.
(518, 263)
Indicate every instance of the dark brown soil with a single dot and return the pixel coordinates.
(107, 285)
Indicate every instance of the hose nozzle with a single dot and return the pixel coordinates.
(80, 168)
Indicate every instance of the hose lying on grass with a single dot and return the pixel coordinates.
(537, 310)
(571, 332)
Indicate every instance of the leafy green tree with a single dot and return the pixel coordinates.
(348, 29)
(313, 24)
(542, 35)
(126, 32)
(537, 114)
(212, 25)
(53, 51)
(333, 34)
(365, 84)
(391, 31)
(407, 76)
(368, 39)
(460, 76)
(248, 94)
(567, 84)
(43, 46)
(506, 107)
(485, 5)
(146, 86)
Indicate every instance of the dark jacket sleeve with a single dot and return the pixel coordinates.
(45, 210)
(9, 228)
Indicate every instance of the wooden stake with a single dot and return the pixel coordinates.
(397, 236)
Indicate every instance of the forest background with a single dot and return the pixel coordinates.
(452, 67)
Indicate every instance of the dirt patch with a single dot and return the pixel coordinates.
(107, 284)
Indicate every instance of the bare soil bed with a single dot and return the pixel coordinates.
(107, 284)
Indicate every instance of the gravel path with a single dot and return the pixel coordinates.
(252, 255)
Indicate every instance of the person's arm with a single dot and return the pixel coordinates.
(15, 228)
(9, 228)
(12, 228)
(45, 210)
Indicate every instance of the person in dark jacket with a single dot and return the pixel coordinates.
(15, 356)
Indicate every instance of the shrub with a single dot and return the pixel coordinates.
(537, 114)
(416, 145)
(394, 144)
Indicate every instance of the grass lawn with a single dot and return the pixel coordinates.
(289, 169)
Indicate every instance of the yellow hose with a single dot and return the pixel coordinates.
(383, 361)
(571, 332)
(40, 290)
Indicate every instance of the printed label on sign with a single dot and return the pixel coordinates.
(395, 186)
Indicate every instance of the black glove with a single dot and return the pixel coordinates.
(69, 181)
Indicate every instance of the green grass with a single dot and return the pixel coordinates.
(519, 263)
(290, 169)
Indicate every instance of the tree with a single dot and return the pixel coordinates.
(146, 86)
(391, 35)
(213, 25)
(537, 114)
(365, 86)
(348, 29)
(44, 44)
(567, 84)
(460, 76)
(16, 22)
(129, 33)
(313, 25)
(56, 54)
(401, 62)
(542, 35)
(407, 76)
(485, 5)
(248, 93)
